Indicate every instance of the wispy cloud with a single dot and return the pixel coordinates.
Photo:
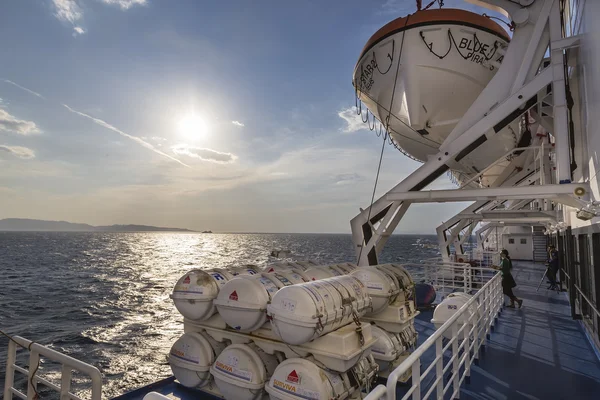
(69, 11)
(23, 88)
(204, 154)
(136, 139)
(398, 7)
(237, 123)
(78, 31)
(18, 151)
(353, 120)
(126, 4)
(345, 179)
(158, 139)
(9, 123)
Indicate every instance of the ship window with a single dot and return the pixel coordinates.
(511, 241)
(523, 241)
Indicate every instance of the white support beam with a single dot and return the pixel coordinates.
(567, 43)
(500, 193)
(560, 131)
(528, 63)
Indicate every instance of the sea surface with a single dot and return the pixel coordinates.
(103, 298)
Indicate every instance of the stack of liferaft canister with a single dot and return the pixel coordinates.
(295, 330)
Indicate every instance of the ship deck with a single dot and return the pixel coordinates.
(537, 352)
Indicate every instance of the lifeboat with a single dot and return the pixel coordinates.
(422, 72)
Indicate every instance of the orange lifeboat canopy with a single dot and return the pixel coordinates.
(445, 16)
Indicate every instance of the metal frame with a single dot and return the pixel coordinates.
(68, 365)
(521, 83)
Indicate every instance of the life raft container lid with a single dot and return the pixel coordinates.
(435, 17)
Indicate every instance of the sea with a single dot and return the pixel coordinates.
(103, 298)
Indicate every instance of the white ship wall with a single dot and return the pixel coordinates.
(585, 86)
(519, 246)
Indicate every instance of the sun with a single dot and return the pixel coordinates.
(192, 126)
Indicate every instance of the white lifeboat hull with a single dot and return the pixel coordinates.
(421, 74)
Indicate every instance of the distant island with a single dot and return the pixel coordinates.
(23, 224)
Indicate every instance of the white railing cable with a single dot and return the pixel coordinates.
(68, 365)
(464, 345)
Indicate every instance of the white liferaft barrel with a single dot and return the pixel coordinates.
(404, 278)
(298, 378)
(194, 293)
(448, 307)
(347, 267)
(286, 265)
(381, 285)
(244, 270)
(242, 370)
(387, 348)
(242, 302)
(191, 357)
(318, 273)
(303, 312)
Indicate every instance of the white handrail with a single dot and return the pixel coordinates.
(471, 335)
(68, 365)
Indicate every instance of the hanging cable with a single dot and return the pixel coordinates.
(387, 125)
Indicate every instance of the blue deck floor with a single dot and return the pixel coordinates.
(537, 352)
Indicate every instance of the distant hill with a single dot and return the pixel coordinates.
(22, 224)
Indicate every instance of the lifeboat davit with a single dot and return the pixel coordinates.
(422, 72)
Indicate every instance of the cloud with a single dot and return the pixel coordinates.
(204, 154)
(23, 88)
(345, 179)
(69, 11)
(78, 31)
(9, 123)
(158, 139)
(399, 7)
(126, 4)
(353, 120)
(136, 139)
(237, 123)
(18, 151)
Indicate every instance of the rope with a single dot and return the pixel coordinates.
(511, 25)
(387, 122)
(37, 395)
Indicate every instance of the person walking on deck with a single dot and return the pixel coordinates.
(508, 282)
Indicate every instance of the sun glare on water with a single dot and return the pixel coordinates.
(192, 126)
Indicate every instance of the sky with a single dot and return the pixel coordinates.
(234, 116)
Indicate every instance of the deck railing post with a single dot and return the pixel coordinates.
(467, 349)
(416, 371)
(439, 367)
(11, 359)
(455, 362)
(65, 382)
(34, 360)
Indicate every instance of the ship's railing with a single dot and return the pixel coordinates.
(447, 276)
(67, 364)
(453, 357)
(485, 258)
